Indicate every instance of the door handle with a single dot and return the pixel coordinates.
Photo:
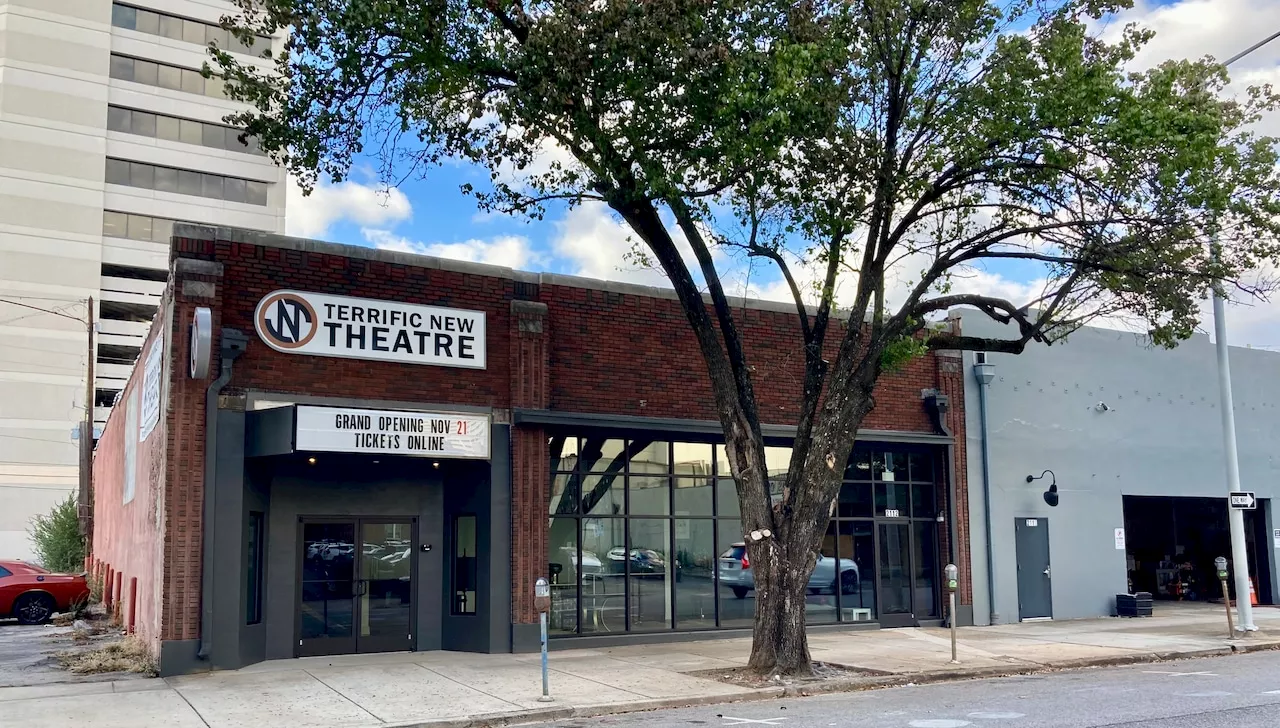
(362, 587)
(1047, 573)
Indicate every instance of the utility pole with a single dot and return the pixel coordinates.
(85, 499)
(1235, 518)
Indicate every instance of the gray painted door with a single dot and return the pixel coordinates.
(1035, 577)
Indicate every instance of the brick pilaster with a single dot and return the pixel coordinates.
(195, 283)
(531, 389)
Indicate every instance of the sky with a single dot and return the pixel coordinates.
(431, 216)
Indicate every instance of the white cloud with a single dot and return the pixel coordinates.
(313, 215)
(1221, 28)
(511, 251)
(595, 243)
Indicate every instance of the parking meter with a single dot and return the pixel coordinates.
(1220, 564)
(542, 602)
(542, 595)
(952, 574)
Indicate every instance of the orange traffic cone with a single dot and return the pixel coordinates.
(1253, 593)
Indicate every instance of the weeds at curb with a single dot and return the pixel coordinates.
(126, 655)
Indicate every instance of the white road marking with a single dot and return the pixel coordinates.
(761, 721)
(1179, 674)
(1272, 692)
(988, 715)
(939, 723)
(1207, 694)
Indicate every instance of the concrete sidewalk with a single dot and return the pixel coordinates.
(459, 689)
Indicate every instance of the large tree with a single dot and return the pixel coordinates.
(871, 150)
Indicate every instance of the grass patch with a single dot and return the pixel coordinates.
(126, 655)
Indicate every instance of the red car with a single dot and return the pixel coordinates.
(32, 595)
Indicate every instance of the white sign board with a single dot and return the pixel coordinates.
(151, 371)
(389, 432)
(130, 446)
(1275, 537)
(296, 322)
(1119, 539)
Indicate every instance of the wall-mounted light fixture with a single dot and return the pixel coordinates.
(1050, 495)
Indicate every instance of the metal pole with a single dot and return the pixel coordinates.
(985, 372)
(1239, 554)
(954, 659)
(1235, 517)
(546, 690)
(84, 502)
(1226, 599)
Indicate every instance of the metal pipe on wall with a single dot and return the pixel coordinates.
(985, 372)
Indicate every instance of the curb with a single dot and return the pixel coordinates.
(840, 685)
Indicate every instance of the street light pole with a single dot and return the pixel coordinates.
(1235, 518)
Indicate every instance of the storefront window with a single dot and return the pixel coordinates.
(604, 598)
(563, 571)
(645, 536)
(695, 565)
(820, 603)
(650, 574)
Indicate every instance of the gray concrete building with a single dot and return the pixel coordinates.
(1132, 436)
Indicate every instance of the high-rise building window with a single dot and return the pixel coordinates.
(186, 182)
(174, 78)
(183, 29)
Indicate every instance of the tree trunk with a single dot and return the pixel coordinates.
(782, 563)
(780, 645)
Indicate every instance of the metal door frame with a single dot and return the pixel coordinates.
(352, 644)
(1041, 521)
(896, 620)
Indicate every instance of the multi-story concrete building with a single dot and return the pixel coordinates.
(108, 134)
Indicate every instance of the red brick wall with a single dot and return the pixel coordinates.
(128, 537)
(593, 351)
(633, 355)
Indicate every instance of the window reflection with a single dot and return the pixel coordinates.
(645, 535)
(825, 579)
(603, 604)
(695, 573)
(650, 574)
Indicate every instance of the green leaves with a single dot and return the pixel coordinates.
(938, 134)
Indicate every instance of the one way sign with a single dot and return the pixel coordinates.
(1244, 501)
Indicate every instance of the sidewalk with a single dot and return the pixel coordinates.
(459, 689)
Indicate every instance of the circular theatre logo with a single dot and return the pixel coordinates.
(286, 320)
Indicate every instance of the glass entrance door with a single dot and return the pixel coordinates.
(356, 591)
(385, 588)
(894, 573)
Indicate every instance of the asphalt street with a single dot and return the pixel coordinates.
(1241, 692)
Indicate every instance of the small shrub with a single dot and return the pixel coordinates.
(59, 545)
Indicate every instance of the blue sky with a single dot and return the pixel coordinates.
(430, 215)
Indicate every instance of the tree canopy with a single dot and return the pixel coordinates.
(846, 142)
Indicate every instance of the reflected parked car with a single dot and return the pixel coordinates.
(590, 562)
(735, 573)
(32, 595)
(643, 561)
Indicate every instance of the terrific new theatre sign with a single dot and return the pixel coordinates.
(296, 322)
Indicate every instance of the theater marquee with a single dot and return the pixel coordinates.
(389, 432)
(296, 322)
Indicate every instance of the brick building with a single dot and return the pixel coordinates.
(396, 447)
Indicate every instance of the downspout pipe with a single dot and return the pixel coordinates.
(232, 345)
(985, 372)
